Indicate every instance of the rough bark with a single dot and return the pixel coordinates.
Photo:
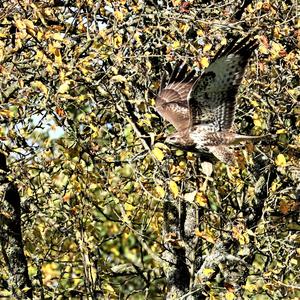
(11, 236)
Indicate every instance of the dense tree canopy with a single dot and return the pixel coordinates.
(109, 210)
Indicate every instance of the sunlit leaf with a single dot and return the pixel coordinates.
(40, 86)
(207, 235)
(204, 63)
(57, 36)
(160, 191)
(118, 15)
(207, 272)
(206, 48)
(118, 78)
(229, 296)
(63, 88)
(6, 113)
(176, 45)
(159, 154)
(263, 50)
(280, 160)
(174, 188)
(201, 199)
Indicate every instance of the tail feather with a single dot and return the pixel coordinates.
(244, 138)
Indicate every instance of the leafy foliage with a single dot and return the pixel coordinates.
(78, 85)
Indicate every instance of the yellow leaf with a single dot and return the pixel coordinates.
(50, 69)
(257, 120)
(206, 48)
(179, 152)
(200, 32)
(259, 5)
(294, 92)
(51, 48)
(281, 131)
(208, 272)
(263, 49)
(30, 27)
(108, 288)
(280, 160)
(160, 191)
(174, 188)
(128, 207)
(207, 235)
(176, 45)
(204, 62)
(250, 8)
(254, 103)
(274, 186)
(148, 65)
(161, 146)
(117, 41)
(119, 16)
(118, 78)
(6, 113)
(275, 49)
(276, 32)
(257, 123)
(223, 41)
(114, 70)
(50, 270)
(159, 154)
(184, 27)
(6, 294)
(20, 24)
(136, 36)
(94, 128)
(229, 296)
(40, 35)
(250, 287)
(39, 55)
(176, 2)
(39, 85)
(29, 24)
(201, 199)
(64, 87)
(57, 36)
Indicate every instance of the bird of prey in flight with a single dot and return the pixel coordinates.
(202, 108)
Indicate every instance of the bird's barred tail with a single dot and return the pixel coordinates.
(244, 138)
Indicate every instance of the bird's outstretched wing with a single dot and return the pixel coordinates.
(171, 102)
(212, 99)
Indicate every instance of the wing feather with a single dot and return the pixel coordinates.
(171, 102)
(212, 98)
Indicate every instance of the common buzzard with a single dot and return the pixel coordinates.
(202, 108)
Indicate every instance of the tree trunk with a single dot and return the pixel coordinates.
(11, 236)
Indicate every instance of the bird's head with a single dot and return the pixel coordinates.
(174, 139)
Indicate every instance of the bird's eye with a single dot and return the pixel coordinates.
(171, 139)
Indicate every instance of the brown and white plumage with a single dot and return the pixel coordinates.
(202, 109)
(172, 102)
